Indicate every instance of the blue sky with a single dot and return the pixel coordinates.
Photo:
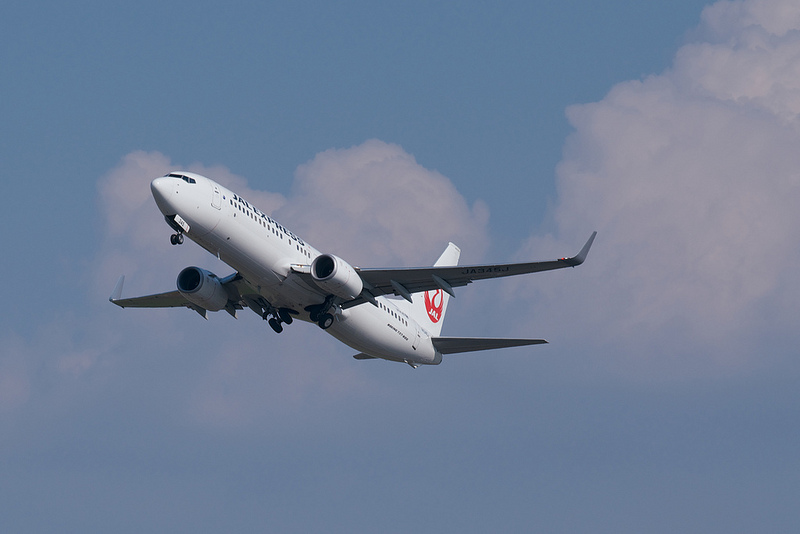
(667, 398)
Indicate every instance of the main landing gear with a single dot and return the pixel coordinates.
(275, 324)
(176, 239)
(325, 321)
(319, 313)
(276, 318)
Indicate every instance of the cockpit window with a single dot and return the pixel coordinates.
(186, 179)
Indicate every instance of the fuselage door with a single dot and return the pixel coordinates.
(216, 197)
(417, 336)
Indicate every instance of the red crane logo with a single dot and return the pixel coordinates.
(434, 305)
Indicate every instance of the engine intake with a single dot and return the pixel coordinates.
(202, 288)
(336, 276)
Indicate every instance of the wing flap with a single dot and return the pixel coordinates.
(455, 345)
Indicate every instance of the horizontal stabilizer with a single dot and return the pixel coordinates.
(454, 345)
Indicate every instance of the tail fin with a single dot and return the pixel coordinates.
(428, 308)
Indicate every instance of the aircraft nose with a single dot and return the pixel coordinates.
(160, 188)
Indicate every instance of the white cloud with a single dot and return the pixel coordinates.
(749, 56)
(692, 178)
(374, 205)
(729, 20)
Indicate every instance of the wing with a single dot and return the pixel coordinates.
(171, 299)
(454, 345)
(404, 282)
(237, 289)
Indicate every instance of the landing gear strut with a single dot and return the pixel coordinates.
(176, 239)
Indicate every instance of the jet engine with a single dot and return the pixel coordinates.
(202, 288)
(336, 276)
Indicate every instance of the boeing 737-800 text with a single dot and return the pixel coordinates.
(394, 314)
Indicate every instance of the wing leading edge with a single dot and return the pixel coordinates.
(415, 280)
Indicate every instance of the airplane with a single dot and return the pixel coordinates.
(391, 314)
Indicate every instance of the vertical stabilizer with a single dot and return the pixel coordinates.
(428, 308)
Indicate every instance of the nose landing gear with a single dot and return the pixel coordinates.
(179, 225)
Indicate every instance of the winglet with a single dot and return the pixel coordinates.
(117, 293)
(581, 257)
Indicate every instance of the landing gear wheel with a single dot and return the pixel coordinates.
(176, 239)
(285, 316)
(276, 325)
(325, 321)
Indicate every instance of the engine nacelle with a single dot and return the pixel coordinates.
(336, 276)
(202, 288)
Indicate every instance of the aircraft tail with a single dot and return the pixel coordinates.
(428, 308)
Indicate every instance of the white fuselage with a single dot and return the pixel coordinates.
(263, 252)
